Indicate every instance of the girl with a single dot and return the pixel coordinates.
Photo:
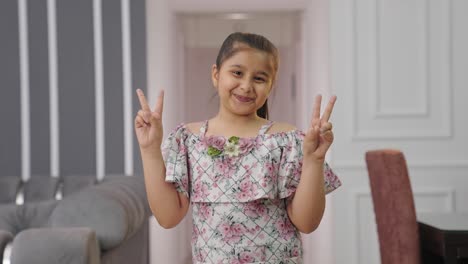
(254, 184)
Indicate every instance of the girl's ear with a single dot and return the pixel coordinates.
(214, 75)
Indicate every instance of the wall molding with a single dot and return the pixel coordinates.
(417, 112)
(358, 194)
(443, 131)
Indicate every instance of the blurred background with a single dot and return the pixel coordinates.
(69, 70)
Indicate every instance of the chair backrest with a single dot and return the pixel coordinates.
(394, 208)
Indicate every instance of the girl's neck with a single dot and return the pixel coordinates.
(236, 120)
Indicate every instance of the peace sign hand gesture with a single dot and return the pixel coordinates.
(319, 136)
(148, 124)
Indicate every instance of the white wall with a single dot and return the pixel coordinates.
(399, 69)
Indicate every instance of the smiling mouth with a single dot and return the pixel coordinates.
(243, 99)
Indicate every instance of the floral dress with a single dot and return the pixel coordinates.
(239, 189)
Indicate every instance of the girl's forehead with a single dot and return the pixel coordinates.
(250, 57)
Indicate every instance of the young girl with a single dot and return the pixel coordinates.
(254, 184)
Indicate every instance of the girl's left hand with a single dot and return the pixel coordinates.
(319, 136)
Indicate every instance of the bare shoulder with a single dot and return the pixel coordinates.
(278, 127)
(194, 127)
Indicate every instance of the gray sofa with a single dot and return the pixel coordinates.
(105, 222)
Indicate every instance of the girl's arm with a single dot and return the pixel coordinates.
(307, 206)
(168, 206)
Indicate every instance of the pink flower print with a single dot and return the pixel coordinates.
(245, 185)
(261, 236)
(216, 142)
(184, 183)
(271, 146)
(247, 169)
(224, 169)
(247, 189)
(247, 257)
(221, 167)
(200, 146)
(200, 190)
(285, 228)
(231, 233)
(204, 211)
(295, 252)
(229, 160)
(182, 149)
(255, 209)
(201, 255)
(204, 164)
(246, 144)
(258, 141)
(224, 229)
(271, 172)
(199, 170)
(237, 229)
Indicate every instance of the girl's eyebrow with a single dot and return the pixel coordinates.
(260, 72)
(264, 73)
(237, 65)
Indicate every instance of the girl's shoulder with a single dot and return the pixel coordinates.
(194, 127)
(186, 129)
(281, 127)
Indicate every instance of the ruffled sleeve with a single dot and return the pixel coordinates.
(290, 167)
(175, 158)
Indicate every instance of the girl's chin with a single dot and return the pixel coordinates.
(244, 111)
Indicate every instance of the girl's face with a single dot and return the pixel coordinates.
(244, 81)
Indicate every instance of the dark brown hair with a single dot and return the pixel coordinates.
(228, 49)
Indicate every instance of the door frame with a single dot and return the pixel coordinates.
(164, 55)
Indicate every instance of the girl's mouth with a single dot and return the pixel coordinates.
(243, 99)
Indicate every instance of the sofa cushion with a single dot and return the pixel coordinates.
(15, 218)
(40, 188)
(74, 183)
(9, 186)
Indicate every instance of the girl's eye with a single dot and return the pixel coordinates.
(237, 73)
(260, 79)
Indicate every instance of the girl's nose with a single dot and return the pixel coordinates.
(246, 85)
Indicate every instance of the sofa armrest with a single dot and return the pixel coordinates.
(5, 238)
(115, 209)
(55, 245)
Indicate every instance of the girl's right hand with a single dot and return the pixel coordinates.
(148, 124)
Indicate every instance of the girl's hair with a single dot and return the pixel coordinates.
(229, 48)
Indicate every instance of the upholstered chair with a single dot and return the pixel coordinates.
(394, 208)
